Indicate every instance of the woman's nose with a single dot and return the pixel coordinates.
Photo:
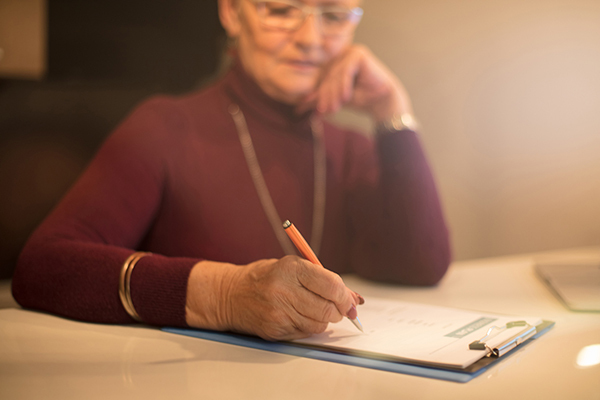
(309, 33)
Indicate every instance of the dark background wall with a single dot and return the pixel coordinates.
(104, 57)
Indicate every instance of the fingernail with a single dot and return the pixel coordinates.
(352, 313)
(361, 300)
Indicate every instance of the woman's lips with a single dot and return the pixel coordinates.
(303, 65)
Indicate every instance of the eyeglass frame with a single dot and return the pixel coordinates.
(310, 10)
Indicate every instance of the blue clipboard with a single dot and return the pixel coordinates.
(435, 372)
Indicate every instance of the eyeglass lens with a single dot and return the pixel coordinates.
(286, 16)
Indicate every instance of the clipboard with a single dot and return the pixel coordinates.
(507, 345)
(409, 367)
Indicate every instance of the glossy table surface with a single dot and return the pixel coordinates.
(44, 356)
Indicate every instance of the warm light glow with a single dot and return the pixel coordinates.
(589, 356)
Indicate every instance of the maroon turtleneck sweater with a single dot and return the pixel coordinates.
(172, 180)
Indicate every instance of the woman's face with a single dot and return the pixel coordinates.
(287, 65)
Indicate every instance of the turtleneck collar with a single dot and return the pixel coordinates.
(252, 100)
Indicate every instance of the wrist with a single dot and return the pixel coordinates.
(398, 122)
(208, 296)
(392, 107)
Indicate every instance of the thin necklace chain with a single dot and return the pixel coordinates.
(320, 172)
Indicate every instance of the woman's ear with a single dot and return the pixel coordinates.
(230, 16)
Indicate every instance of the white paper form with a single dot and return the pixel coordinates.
(417, 332)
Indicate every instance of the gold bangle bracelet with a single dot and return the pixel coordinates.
(124, 283)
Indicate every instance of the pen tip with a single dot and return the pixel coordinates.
(357, 324)
(287, 224)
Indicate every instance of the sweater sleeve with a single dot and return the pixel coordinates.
(398, 230)
(70, 266)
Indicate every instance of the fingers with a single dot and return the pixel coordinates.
(301, 311)
(337, 84)
(359, 80)
(283, 325)
(316, 308)
(358, 299)
(335, 87)
(330, 287)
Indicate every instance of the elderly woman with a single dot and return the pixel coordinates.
(177, 220)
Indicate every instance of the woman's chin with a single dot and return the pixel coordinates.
(291, 95)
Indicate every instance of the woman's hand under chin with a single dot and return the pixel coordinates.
(357, 79)
(283, 299)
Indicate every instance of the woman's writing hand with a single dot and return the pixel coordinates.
(356, 78)
(281, 299)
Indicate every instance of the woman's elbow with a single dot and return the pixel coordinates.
(431, 272)
(430, 264)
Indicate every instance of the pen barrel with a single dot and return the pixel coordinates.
(304, 248)
(301, 244)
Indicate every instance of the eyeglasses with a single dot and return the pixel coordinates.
(288, 15)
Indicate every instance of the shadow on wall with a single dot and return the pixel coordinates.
(103, 58)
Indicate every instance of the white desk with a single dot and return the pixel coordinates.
(46, 357)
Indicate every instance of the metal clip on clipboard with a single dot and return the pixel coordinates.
(509, 344)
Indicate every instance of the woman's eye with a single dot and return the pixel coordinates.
(280, 10)
(335, 16)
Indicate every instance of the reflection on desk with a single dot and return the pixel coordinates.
(43, 356)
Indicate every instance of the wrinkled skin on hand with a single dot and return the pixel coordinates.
(283, 299)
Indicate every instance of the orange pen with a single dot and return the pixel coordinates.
(304, 248)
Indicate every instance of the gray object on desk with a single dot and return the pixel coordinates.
(576, 284)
